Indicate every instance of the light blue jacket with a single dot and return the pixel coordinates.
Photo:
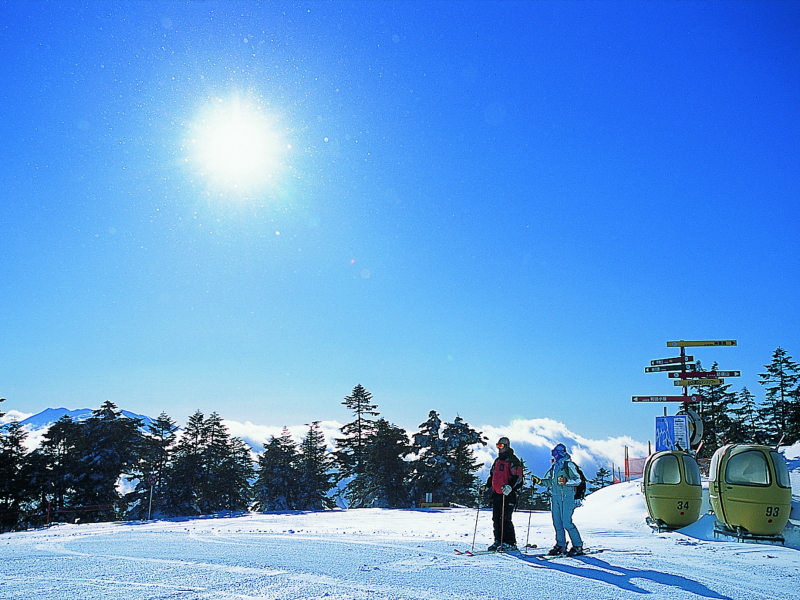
(568, 470)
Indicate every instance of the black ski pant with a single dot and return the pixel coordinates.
(502, 509)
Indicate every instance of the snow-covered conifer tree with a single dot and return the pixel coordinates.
(155, 454)
(15, 485)
(316, 472)
(429, 474)
(460, 439)
(108, 449)
(780, 411)
(56, 462)
(276, 487)
(383, 481)
(210, 470)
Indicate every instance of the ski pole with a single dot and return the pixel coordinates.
(477, 514)
(528, 536)
(502, 524)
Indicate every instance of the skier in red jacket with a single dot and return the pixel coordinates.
(505, 478)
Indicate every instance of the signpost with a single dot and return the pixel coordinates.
(152, 480)
(682, 371)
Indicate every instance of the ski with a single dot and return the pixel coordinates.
(478, 552)
(586, 552)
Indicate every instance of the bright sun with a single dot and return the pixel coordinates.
(235, 146)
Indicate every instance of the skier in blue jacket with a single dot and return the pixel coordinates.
(561, 479)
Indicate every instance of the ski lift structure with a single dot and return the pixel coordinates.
(672, 489)
(750, 492)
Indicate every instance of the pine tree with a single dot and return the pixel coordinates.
(429, 466)
(779, 406)
(210, 470)
(445, 464)
(56, 463)
(228, 469)
(154, 456)
(459, 440)
(161, 437)
(744, 417)
(601, 479)
(108, 450)
(526, 496)
(316, 475)
(382, 482)
(276, 487)
(15, 489)
(351, 447)
(718, 426)
(184, 475)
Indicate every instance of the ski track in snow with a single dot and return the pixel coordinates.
(392, 555)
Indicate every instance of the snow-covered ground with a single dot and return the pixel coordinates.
(392, 554)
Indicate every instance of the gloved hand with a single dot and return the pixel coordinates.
(506, 490)
(535, 480)
(562, 480)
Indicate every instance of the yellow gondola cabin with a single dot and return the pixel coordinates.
(750, 491)
(672, 489)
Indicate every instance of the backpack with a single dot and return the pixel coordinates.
(580, 489)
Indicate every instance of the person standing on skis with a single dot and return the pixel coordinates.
(505, 478)
(561, 479)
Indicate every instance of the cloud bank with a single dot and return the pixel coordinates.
(532, 440)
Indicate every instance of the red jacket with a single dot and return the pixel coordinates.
(506, 470)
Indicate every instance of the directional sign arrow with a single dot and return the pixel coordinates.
(693, 382)
(704, 374)
(685, 343)
(692, 398)
(662, 368)
(672, 361)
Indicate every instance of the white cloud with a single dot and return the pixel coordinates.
(14, 415)
(258, 435)
(532, 440)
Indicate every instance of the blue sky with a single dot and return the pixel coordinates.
(496, 210)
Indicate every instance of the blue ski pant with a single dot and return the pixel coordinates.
(562, 505)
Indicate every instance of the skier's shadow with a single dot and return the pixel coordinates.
(621, 577)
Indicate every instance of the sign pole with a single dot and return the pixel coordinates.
(689, 376)
(152, 480)
(685, 389)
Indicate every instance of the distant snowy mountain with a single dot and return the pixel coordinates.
(50, 415)
(38, 424)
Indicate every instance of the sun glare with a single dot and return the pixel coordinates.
(236, 147)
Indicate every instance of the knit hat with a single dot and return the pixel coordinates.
(505, 441)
